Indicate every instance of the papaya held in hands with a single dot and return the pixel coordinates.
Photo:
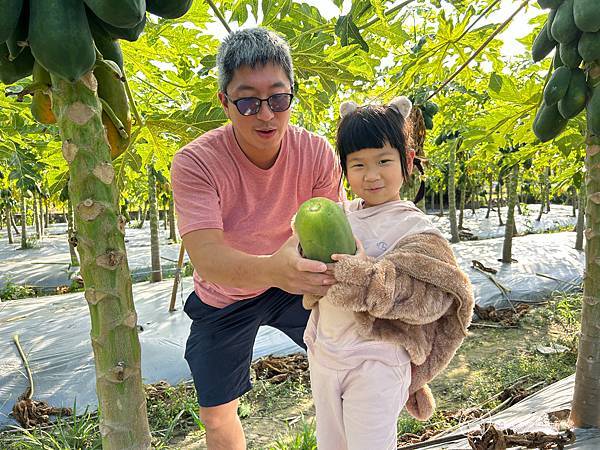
(323, 229)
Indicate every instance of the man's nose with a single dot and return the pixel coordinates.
(265, 113)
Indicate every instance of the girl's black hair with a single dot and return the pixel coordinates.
(373, 126)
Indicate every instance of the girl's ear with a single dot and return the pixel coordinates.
(410, 159)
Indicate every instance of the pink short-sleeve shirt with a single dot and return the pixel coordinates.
(216, 186)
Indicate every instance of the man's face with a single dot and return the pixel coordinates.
(259, 135)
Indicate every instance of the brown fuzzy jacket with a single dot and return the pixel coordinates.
(416, 296)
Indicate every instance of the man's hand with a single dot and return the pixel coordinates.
(299, 275)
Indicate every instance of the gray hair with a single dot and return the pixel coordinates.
(252, 47)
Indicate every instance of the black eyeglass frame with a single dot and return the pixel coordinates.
(290, 95)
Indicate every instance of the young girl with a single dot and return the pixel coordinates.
(401, 306)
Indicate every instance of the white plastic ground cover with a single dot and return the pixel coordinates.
(55, 330)
(530, 415)
(559, 217)
(47, 265)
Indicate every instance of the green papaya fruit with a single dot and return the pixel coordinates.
(589, 46)
(323, 230)
(557, 85)
(551, 16)
(548, 123)
(569, 54)
(563, 27)
(60, 37)
(546, 4)
(593, 112)
(111, 89)
(168, 9)
(108, 47)
(12, 71)
(542, 45)
(574, 100)
(431, 108)
(557, 61)
(9, 18)
(428, 121)
(129, 34)
(41, 102)
(118, 13)
(18, 38)
(587, 15)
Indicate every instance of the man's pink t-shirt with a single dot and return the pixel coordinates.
(216, 186)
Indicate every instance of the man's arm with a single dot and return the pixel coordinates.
(221, 264)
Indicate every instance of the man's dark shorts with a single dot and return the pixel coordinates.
(219, 348)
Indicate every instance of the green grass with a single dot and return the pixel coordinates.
(12, 291)
(304, 439)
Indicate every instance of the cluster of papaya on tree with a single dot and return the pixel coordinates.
(446, 136)
(428, 109)
(70, 38)
(573, 29)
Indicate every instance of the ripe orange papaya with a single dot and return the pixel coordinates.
(41, 103)
(112, 90)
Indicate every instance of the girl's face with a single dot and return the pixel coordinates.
(375, 174)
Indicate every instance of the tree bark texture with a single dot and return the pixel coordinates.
(585, 411)
(510, 215)
(154, 224)
(8, 214)
(71, 235)
(454, 147)
(172, 225)
(580, 218)
(23, 220)
(104, 268)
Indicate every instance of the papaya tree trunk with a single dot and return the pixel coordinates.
(144, 213)
(46, 213)
(585, 410)
(8, 213)
(490, 194)
(574, 201)
(463, 199)
(36, 216)
(14, 223)
(472, 199)
(510, 215)
(441, 202)
(499, 202)
(580, 218)
(154, 241)
(454, 147)
(107, 280)
(71, 235)
(23, 220)
(432, 199)
(172, 225)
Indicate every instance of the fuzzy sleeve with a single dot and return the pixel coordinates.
(385, 292)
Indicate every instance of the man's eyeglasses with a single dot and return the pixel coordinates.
(248, 106)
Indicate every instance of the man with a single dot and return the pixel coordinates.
(236, 189)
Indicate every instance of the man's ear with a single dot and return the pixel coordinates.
(410, 158)
(224, 103)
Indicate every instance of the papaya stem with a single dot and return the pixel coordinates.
(385, 13)
(479, 50)
(30, 89)
(138, 118)
(113, 118)
(481, 16)
(219, 15)
(26, 364)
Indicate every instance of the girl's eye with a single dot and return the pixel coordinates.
(356, 165)
(383, 161)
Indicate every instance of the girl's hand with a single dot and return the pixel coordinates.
(360, 252)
